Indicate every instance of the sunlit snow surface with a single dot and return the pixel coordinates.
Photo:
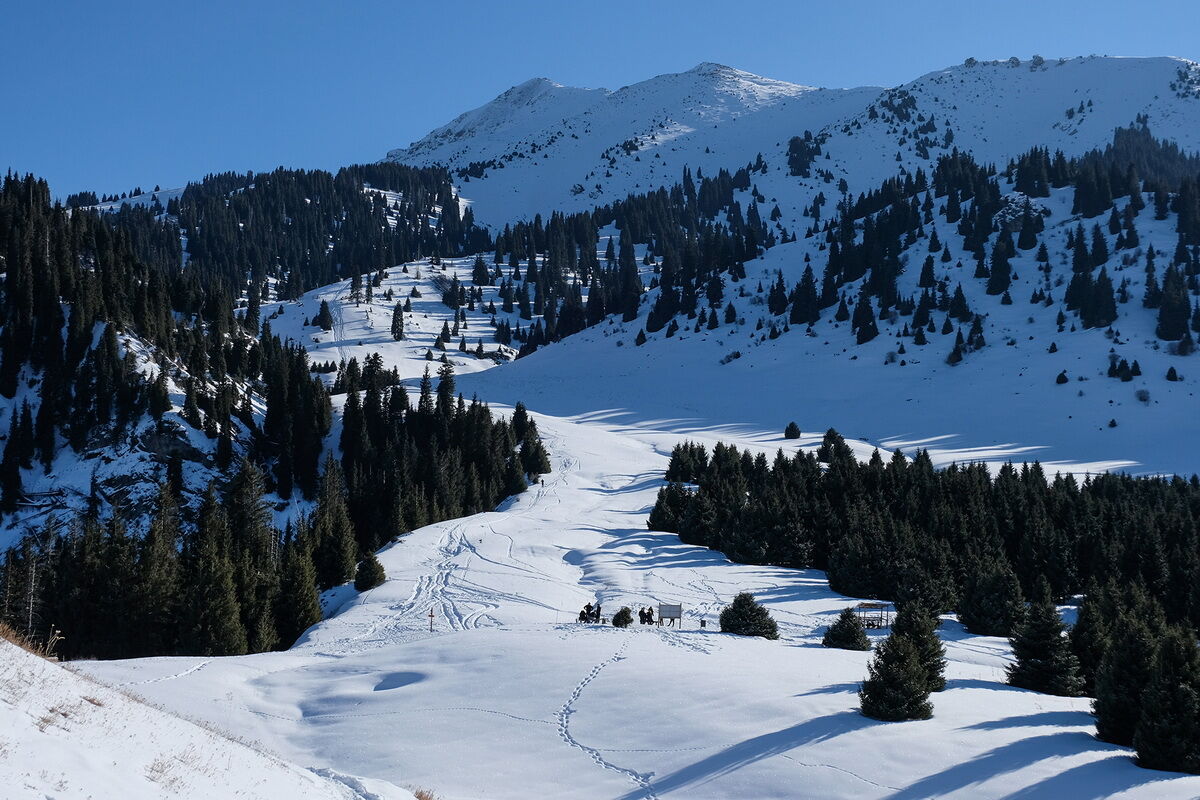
(508, 697)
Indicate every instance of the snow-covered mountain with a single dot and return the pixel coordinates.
(463, 671)
(542, 147)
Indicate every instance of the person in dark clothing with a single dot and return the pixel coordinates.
(596, 614)
(642, 616)
(586, 614)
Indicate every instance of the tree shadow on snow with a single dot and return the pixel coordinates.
(754, 750)
(1099, 779)
(1000, 761)
(1056, 718)
(833, 688)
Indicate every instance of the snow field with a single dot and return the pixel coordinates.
(509, 698)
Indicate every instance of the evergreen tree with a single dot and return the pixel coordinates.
(298, 607)
(369, 573)
(1167, 736)
(398, 323)
(991, 602)
(157, 602)
(1124, 673)
(746, 617)
(334, 551)
(920, 627)
(847, 633)
(897, 684)
(213, 624)
(1044, 660)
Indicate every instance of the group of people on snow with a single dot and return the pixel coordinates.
(590, 613)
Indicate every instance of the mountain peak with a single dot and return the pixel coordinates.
(712, 68)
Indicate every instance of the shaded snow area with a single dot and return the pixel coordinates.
(557, 148)
(508, 697)
(62, 735)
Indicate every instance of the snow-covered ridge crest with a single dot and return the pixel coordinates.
(540, 146)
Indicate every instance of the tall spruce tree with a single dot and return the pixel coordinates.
(1124, 673)
(1167, 736)
(920, 626)
(897, 684)
(847, 633)
(1044, 660)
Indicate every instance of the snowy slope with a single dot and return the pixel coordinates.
(63, 735)
(509, 698)
(1000, 404)
(557, 148)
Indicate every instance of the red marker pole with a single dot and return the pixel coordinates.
(431, 620)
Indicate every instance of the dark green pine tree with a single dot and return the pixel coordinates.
(369, 574)
(398, 323)
(1173, 309)
(157, 602)
(335, 548)
(920, 627)
(213, 624)
(1168, 732)
(324, 318)
(991, 602)
(1124, 673)
(897, 684)
(746, 617)
(1089, 634)
(255, 554)
(1044, 660)
(534, 460)
(847, 633)
(298, 607)
(514, 477)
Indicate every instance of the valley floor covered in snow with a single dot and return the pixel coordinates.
(509, 697)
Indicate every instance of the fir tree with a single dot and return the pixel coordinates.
(398, 323)
(213, 625)
(1124, 673)
(991, 602)
(1167, 736)
(746, 617)
(369, 573)
(847, 633)
(920, 627)
(298, 607)
(1044, 660)
(897, 684)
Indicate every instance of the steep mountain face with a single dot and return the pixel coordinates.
(541, 147)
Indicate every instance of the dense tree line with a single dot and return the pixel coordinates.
(225, 580)
(103, 319)
(696, 235)
(310, 228)
(958, 539)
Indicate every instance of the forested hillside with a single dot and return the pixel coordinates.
(124, 349)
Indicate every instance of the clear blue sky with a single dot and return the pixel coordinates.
(106, 96)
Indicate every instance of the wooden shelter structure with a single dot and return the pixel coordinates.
(873, 614)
